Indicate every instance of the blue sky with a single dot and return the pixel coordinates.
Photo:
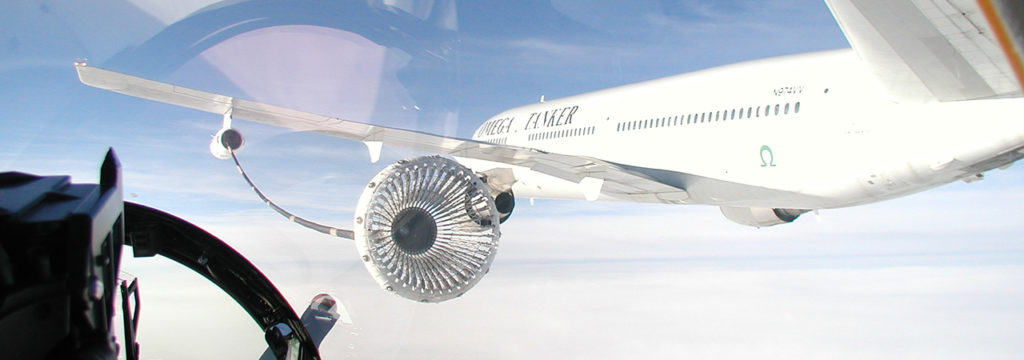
(936, 274)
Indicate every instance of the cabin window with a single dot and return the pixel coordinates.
(776, 109)
(787, 108)
(796, 107)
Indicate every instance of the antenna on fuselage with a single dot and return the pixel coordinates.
(541, 98)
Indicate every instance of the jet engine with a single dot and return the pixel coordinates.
(504, 202)
(759, 217)
(426, 228)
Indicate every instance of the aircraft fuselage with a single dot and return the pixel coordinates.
(807, 131)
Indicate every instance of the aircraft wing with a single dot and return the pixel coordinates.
(929, 50)
(608, 178)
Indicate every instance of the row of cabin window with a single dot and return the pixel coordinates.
(502, 140)
(562, 133)
(750, 112)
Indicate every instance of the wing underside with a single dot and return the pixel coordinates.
(928, 50)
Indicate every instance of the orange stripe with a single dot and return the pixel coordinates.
(1004, 39)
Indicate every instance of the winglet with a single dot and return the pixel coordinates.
(591, 187)
(374, 147)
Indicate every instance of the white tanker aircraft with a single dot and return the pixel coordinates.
(926, 96)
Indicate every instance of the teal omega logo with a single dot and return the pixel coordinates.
(767, 157)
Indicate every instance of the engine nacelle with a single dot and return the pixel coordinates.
(226, 138)
(499, 184)
(426, 229)
(505, 202)
(760, 217)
